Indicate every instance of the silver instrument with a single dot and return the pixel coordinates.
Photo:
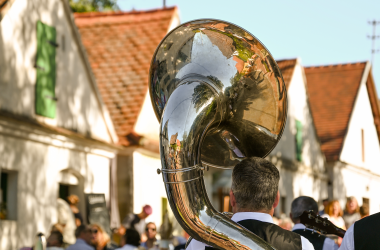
(220, 97)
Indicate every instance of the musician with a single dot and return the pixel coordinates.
(254, 195)
(364, 234)
(299, 205)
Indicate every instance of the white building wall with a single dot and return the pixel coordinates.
(78, 106)
(353, 176)
(307, 177)
(298, 109)
(147, 124)
(148, 186)
(38, 159)
(362, 118)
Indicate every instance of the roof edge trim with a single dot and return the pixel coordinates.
(106, 116)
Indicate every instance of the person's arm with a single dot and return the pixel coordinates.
(306, 245)
(348, 242)
(128, 220)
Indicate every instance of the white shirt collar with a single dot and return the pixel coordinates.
(298, 226)
(252, 216)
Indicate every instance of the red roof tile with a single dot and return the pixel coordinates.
(120, 46)
(287, 69)
(332, 92)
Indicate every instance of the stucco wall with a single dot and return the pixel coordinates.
(353, 176)
(147, 124)
(148, 186)
(77, 106)
(362, 118)
(307, 177)
(298, 109)
(38, 158)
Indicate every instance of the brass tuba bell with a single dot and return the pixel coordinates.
(220, 97)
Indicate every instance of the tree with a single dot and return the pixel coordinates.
(93, 5)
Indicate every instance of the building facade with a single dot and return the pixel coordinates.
(56, 137)
(345, 109)
(120, 46)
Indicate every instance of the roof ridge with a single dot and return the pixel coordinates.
(287, 59)
(335, 65)
(120, 13)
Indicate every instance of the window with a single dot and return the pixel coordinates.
(8, 195)
(283, 205)
(366, 201)
(298, 140)
(363, 155)
(45, 99)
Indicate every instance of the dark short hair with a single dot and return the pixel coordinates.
(81, 229)
(132, 237)
(301, 204)
(58, 235)
(255, 184)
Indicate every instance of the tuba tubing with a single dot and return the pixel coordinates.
(202, 124)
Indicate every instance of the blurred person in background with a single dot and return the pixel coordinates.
(73, 202)
(100, 240)
(66, 221)
(334, 213)
(351, 213)
(364, 211)
(305, 203)
(83, 242)
(151, 232)
(136, 221)
(325, 203)
(55, 241)
(131, 240)
(285, 223)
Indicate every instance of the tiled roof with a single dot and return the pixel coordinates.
(287, 69)
(120, 46)
(332, 92)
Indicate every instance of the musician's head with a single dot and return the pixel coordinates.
(301, 204)
(254, 186)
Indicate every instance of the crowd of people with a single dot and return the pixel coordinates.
(332, 210)
(254, 195)
(133, 234)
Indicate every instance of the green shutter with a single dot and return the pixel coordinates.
(298, 140)
(45, 65)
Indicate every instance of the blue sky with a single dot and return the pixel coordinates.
(319, 32)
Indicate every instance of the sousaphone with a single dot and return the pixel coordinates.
(220, 97)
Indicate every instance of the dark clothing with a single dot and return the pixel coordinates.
(274, 235)
(316, 239)
(110, 246)
(180, 247)
(79, 216)
(367, 233)
(134, 222)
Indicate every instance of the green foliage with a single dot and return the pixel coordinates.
(93, 5)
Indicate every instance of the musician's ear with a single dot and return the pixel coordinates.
(276, 200)
(233, 201)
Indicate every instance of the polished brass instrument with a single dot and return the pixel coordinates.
(220, 97)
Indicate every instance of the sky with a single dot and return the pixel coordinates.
(318, 32)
